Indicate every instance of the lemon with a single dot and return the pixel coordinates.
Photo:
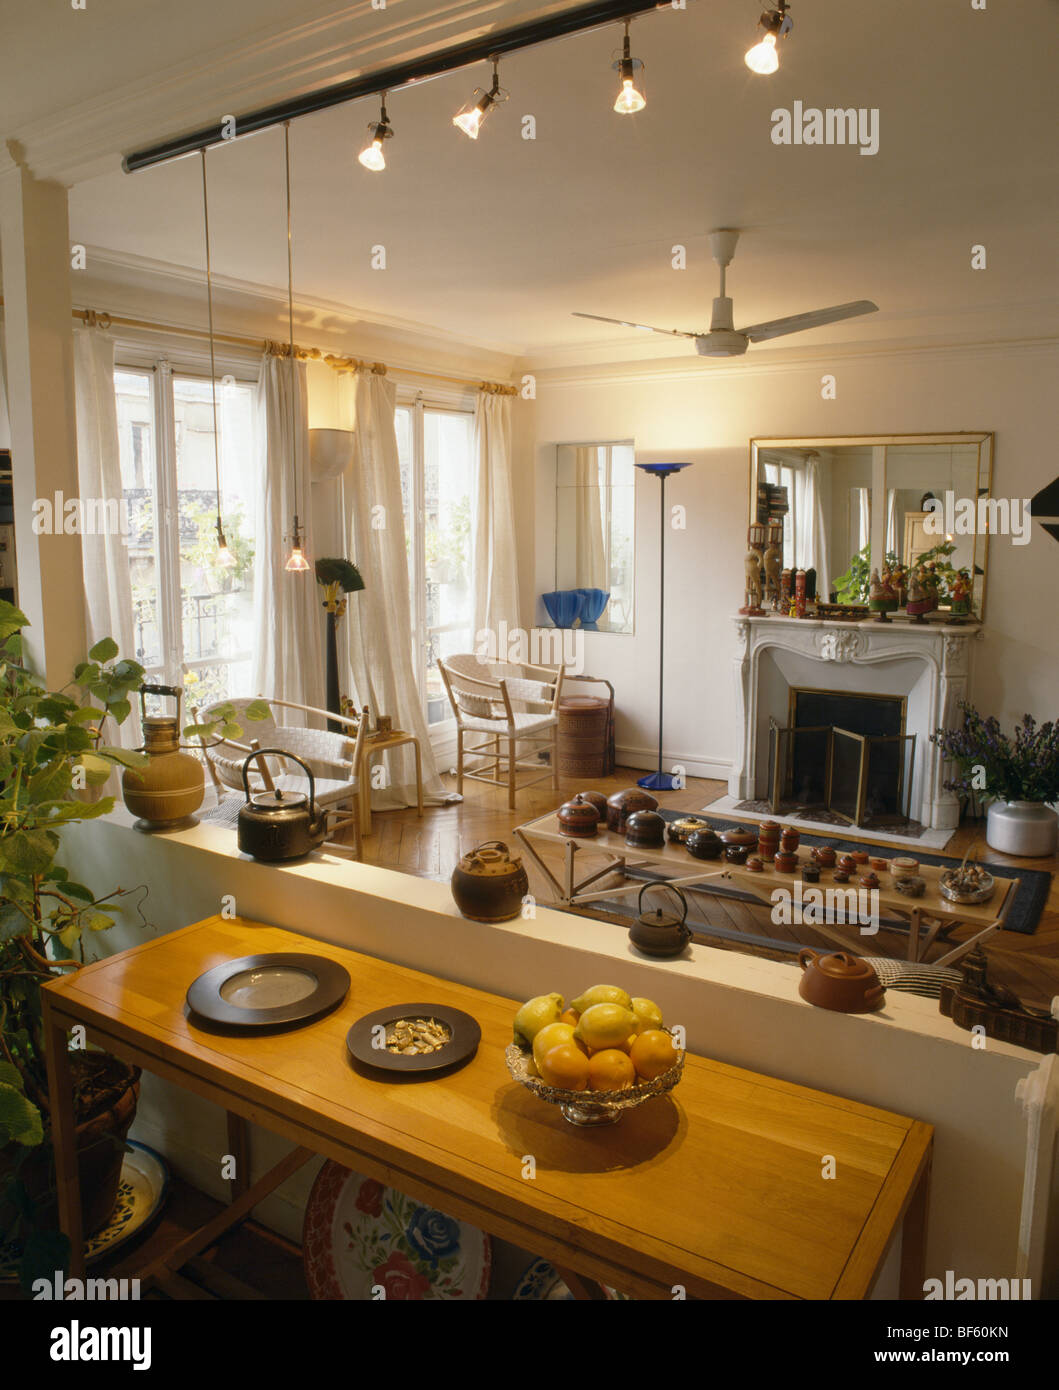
(551, 1035)
(601, 994)
(605, 1025)
(648, 1014)
(536, 1014)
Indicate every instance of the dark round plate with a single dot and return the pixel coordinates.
(265, 991)
(461, 1046)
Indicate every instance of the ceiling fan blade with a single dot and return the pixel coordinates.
(644, 327)
(797, 323)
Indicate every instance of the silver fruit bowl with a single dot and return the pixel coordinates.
(589, 1107)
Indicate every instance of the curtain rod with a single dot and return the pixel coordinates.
(595, 15)
(95, 318)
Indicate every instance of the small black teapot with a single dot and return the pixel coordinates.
(659, 933)
(277, 825)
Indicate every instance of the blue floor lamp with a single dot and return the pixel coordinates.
(661, 781)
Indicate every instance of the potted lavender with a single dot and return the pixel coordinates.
(1020, 774)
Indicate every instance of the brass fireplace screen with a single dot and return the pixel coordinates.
(864, 779)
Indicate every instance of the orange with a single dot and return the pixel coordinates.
(570, 1016)
(653, 1053)
(610, 1070)
(565, 1066)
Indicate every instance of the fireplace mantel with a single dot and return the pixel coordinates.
(942, 656)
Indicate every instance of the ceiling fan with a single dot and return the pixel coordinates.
(725, 341)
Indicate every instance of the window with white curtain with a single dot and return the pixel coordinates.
(192, 618)
(435, 444)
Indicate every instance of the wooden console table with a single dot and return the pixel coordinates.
(717, 1187)
(926, 919)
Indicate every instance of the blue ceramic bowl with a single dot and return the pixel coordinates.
(564, 606)
(595, 600)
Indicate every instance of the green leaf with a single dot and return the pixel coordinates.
(258, 709)
(99, 921)
(86, 714)
(7, 724)
(51, 782)
(11, 619)
(19, 1118)
(70, 935)
(130, 672)
(97, 769)
(125, 756)
(29, 851)
(120, 709)
(78, 890)
(10, 1076)
(104, 650)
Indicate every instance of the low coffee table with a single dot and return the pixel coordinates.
(927, 919)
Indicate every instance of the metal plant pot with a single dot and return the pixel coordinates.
(1026, 829)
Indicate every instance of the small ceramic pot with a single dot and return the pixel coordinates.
(839, 981)
(755, 865)
(1024, 829)
(622, 804)
(785, 861)
(859, 856)
(578, 818)
(824, 856)
(841, 875)
(598, 800)
(880, 865)
(904, 867)
(811, 873)
(490, 883)
(736, 854)
(740, 837)
(790, 840)
(869, 880)
(911, 885)
(704, 844)
(679, 830)
(645, 830)
(769, 830)
(767, 848)
(846, 863)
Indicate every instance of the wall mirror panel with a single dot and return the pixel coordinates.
(595, 522)
(843, 500)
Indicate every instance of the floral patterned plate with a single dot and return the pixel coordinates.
(362, 1240)
(141, 1195)
(540, 1281)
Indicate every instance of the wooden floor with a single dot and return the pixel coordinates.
(431, 847)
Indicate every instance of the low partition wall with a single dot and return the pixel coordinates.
(738, 1009)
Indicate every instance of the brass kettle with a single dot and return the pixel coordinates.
(659, 933)
(277, 825)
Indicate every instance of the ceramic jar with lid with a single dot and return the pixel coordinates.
(171, 787)
(846, 863)
(739, 836)
(904, 867)
(578, 818)
(645, 830)
(790, 839)
(490, 883)
(785, 861)
(839, 981)
(598, 800)
(622, 804)
(736, 854)
(704, 844)
(824, 856)
(679, 830)
(869, 880)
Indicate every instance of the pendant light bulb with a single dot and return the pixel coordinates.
(296, 561)
(469, 119)
(764, 57)
(225, 558)
(629, 100)
(372, 156)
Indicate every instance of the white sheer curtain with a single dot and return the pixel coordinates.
(891, 522)
(494, 563)
(591, 565)
(288, 660)
(811, 528)
(378, 624)
(861, 500)
(104, 550)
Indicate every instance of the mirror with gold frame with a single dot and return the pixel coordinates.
(913, 498)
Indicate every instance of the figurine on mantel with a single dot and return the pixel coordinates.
(881, 599)
(752, 567)
(799, 593)
(922, 599)
(773, 561)
(960, 596)
(784, 604)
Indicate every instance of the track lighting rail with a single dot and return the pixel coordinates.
(594, 15)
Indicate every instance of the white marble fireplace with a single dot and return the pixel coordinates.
(927, 664)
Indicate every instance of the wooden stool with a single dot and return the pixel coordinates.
(379, 743)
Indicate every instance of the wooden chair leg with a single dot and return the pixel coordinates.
(459, 761)
(512, 770)
(553, 753)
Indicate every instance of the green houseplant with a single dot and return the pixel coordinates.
(52, 748)
(336, 577)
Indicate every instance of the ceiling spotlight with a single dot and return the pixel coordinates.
(763, 57)
(629, 99)
(470, 118)
(372, 156)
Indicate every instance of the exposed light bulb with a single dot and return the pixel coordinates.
(763, 58)
(296, 561)
(629, 99)
(372, 156)
(225, 556)
(470, 122)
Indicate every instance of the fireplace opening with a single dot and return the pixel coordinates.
(844, 755)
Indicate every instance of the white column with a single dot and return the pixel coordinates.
(34, 233)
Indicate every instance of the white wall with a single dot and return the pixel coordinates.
(708, 415)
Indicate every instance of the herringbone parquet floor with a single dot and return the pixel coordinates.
(430, 848)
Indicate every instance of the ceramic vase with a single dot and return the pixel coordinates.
(1025, 829)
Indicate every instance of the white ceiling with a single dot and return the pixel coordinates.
(497, 241)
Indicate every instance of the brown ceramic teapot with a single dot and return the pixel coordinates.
(490, 883)
(839, 981)
(659, 933)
